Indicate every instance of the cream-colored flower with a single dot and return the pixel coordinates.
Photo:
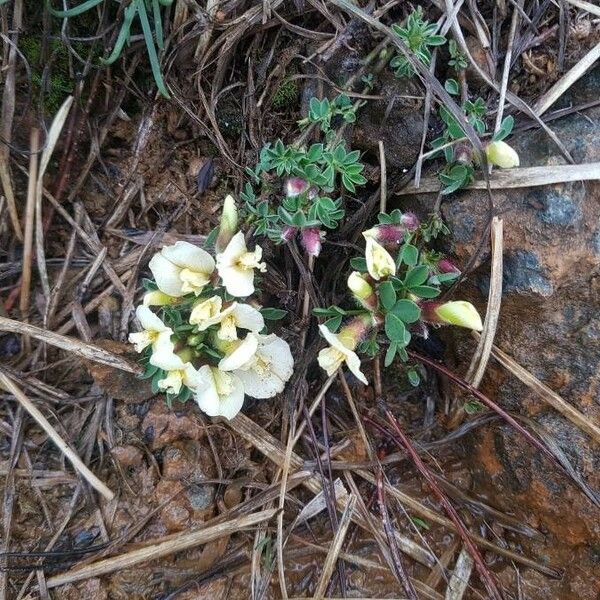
(460, 313)
(219, 393)
(264, 364)
(158, 298)
(235, 316)
(380, 263)
(502, 155)
(340, 350)
(178, 375)
(154, 333)
(359, 286)
(181, 269)
(236, 266)
(228, 225)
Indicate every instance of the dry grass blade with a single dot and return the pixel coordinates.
(51, 140)
(587, 6)
(459, 581)
(567, 80)
(29, 224)
(335, 548)
(8, 384)
(486, 341)
(549, 396)
(157, 549)
(80, 349)
(517, 178)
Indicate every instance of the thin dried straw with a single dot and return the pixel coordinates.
(486, 341)
(80, 349)
(549, 396)
(8, 384)
(158, 549)
(517, 178)
(335, 548)
(567, 80)
(459, 581)
(591, 8)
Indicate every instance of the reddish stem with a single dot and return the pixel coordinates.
(489, 403)
(404, 443)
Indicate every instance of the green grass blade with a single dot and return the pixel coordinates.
(73, 12)
(158, 24)
(154, 63)
(123, 36)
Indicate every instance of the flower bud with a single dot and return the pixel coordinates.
(445, 265)
(502, 155)
(186, 354)
(287, 233)
(157, 298)
(380, 263)
(463, 153)
(392, 235)
(362, 290)
(457, 312)
(311, 240)
(228, 225)
(294, 186)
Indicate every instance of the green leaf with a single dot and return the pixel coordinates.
(390, 354)
(505, 129)
(472, 407)
(273, 314)
(451, 86)
(395, 329)
(76, 10)
(413, 377)
(334, 323)
(152, 56)
(406, 310)
(416, 276)
(128, 15)
(387, 295)
(359, 264)
(409, 255)
(425, 291)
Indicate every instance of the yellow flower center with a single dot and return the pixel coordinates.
(223, 382)
(228, 330)
(262, 366)
(248, 261)
(193, 281)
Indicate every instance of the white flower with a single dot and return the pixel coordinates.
(264, 364)
(154, 333)
(331, 358)
(460, 313)
(219, 393)
(182, 269)
(178, 375)
(236, 266)
(380, 263)
(236, 315)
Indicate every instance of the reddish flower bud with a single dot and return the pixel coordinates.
(445, 265)
(311, 240)
(294, 186)
(410, 221)
(287, 233)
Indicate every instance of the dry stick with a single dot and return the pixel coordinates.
(400, 571)
(403, 442)
(459, 581)
(518, 178)
(34, 143)
(566, 81)
(489, 403)
(548, 395)
(484, 347)
(6, 120)
(81, 349)
(152, 550)
(591, 8)
(507, 61)
(8, 384)
(335, 548)
(383, 186)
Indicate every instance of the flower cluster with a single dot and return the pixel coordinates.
(395, 286)
(207, 338)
